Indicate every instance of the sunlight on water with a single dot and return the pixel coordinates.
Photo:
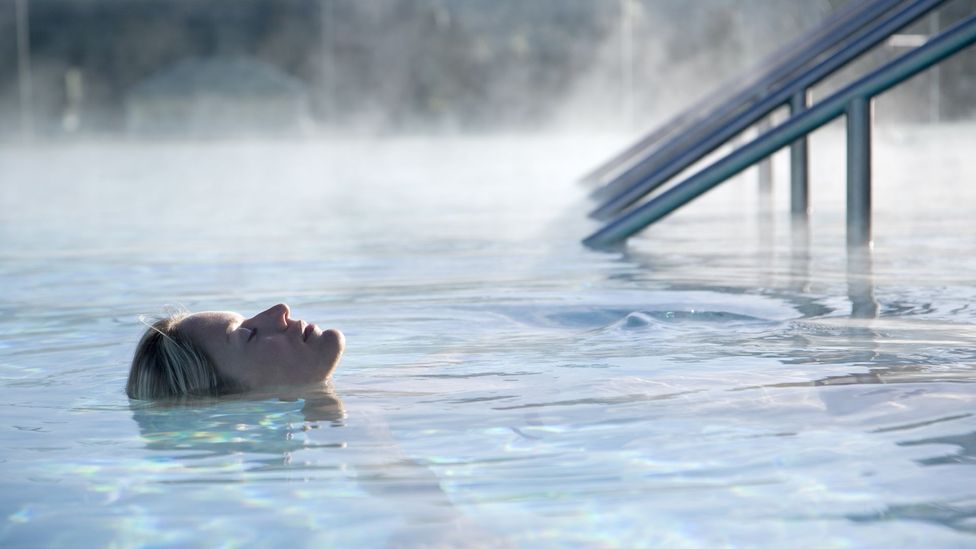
(502, 384)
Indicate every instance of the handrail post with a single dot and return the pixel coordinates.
(859, 115)
(854, 100)
(654, 170)
(799, 168)
(765, 166)
(860, 283)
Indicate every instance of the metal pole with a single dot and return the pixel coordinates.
(860, 283)
(658, 168)
(935, 79)
(764, 170)
(859, 115)
(839, 26)
(799, 168)
(800, 198)
(949, 42)
(24, 70)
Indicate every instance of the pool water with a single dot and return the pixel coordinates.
(503, 385)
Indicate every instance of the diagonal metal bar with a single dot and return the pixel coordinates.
(648, 175)
(842, 37)
(889, 75)
(828, 34)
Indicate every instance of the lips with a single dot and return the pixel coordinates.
(308, 331)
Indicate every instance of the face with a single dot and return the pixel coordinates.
(269, 349)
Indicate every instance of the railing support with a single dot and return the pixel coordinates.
(656, 169)
(765, 166)
(853, 100)
(799, 169)
(859, 114)
(860, 283)
(839, 27)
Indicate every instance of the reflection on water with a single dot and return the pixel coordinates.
(249, 426)
(708, 385)
(958, 515)
(860, 282)
(264, 437)
(966, 454)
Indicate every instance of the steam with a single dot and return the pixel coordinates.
(387, 66)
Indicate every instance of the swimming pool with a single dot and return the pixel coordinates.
(502, 385)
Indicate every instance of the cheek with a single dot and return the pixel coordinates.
(271, 352)
(236, 371)
(268, 362)
(256, 370)
(273, 358)
(250, 368)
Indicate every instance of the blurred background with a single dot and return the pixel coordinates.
(190, 68)
(404, 170)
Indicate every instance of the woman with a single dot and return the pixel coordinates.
(219, 352)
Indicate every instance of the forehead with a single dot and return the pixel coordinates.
(209, 323)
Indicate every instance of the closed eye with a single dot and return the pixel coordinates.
(253, 333)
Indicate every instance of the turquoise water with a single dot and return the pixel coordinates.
(502, 386)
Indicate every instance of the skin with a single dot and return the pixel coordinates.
(269, 349)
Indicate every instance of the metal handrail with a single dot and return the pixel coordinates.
(742, 90)
(831, 33)
(853, 100)
(653, 171)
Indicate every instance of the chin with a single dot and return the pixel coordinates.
(337, 339)
(335, 344)
(331, 344)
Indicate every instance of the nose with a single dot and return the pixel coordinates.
(275, 317)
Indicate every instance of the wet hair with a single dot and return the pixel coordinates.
(167, 364)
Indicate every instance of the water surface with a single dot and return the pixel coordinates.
(502, 385)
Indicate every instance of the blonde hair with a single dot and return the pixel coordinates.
(168, 364)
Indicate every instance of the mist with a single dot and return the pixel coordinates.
(186, 69)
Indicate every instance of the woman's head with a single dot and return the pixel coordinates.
(216, 352)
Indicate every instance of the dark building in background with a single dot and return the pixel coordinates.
(401, 65)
